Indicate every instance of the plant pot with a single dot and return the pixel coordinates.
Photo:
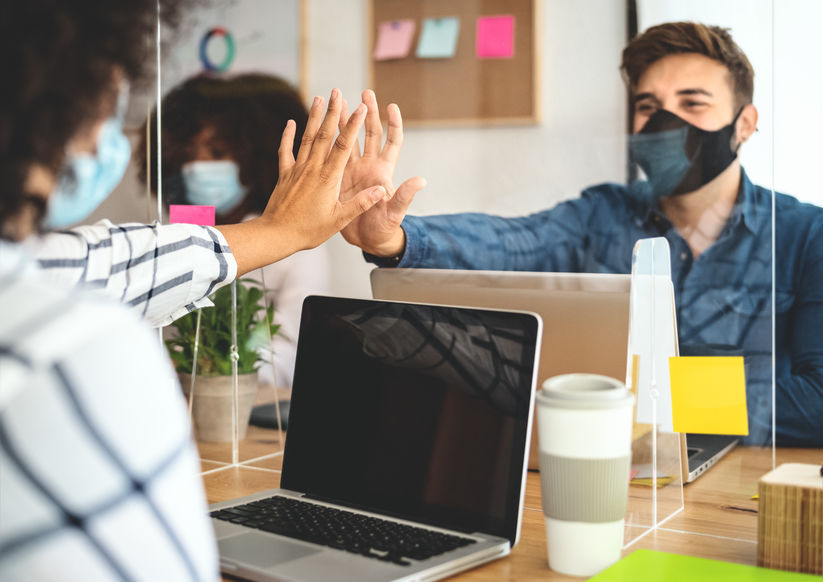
(212, 405)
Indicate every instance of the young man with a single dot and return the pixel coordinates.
(692, 92)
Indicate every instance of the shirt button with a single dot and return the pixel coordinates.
(683, 256)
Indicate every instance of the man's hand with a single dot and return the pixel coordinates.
(305, 208)
(378, 231)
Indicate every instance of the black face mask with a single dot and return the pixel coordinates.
(678, 157)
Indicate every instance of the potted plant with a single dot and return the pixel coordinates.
(213, 388)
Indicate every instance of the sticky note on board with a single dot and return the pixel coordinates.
(438, 38)
(708, 394)
(191, 214)
(394, 39)
(495, 37)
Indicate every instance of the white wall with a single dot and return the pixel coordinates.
(783, 43)
(503, 170)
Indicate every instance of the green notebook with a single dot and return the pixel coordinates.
(651, 566)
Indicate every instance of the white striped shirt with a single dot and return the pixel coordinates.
(98, 473)
(163, 272)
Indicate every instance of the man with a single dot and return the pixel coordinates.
(692, 93)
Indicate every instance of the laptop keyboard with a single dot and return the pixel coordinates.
(345, 530)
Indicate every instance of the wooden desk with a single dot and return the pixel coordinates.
(719, 519)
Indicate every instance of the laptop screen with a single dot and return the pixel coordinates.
(415, 411)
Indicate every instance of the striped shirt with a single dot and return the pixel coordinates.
(162, 272)
(98, 472)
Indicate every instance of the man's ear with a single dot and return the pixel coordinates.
(746, 124)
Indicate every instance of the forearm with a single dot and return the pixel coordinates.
(162, 272)
(473, 241)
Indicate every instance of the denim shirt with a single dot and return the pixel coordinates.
(723, 298)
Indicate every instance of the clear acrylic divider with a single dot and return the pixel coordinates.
(236, 417)
(656, 489)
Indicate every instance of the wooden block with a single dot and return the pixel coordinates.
(790, 519)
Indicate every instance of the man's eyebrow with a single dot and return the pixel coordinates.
(642, 96)
(696, 91)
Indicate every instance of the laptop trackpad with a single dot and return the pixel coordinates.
(261, 550)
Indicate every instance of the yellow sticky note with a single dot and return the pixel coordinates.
(708, 394)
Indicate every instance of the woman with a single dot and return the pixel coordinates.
(217, 151)
(99, 474)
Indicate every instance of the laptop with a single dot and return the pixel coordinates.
(586, 323)
(406, 449)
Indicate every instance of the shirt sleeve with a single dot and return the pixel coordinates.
(545, 241)
(161, 271)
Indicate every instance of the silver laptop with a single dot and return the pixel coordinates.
(406, 449)
(586, 323)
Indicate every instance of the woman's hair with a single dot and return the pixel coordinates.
(61, 57)
(690, 37)
(245, 115)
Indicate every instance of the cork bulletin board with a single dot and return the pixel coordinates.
(462, 89)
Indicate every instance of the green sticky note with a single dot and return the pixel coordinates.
(708, 395)
(651, 566)
(438, 39)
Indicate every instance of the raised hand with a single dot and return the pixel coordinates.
(378, 231)
(306, 208)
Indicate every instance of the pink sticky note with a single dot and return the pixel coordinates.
(191, 214)
(495, 37)
(394, 39)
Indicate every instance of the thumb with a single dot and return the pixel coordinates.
(359, 204)
(404, 195)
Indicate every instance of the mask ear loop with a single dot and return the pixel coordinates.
(736, 149)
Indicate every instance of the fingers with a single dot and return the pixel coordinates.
(339, 155)
(404, 195)
(374, 130)
(359, 204)
(285, 153)
(312, 125)
(324, 137)
(344, 119)
(394, 135)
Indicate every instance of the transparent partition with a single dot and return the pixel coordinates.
(595, 160)
(789, 536)
(229, 79)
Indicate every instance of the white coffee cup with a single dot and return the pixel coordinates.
(584, 424)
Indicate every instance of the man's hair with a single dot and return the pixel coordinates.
(247, 114)
(690, 37)
(58, 79)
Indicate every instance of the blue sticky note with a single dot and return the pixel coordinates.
(438, 38)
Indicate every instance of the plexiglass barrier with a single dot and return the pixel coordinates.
(738, 279)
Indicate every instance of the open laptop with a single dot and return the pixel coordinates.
(406, 450)
(585, 326)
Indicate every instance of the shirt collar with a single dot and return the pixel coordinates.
(751, 208)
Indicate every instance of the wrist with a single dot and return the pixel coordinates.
(392, 249)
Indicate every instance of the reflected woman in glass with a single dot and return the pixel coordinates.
(219, 135)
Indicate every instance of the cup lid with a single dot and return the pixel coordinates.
(584, 391)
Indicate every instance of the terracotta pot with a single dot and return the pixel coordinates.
(212, 405)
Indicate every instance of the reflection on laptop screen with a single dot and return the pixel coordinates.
(417, 411)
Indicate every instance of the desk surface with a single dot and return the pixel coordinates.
(719, 519)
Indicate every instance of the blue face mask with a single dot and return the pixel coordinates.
(678, 157)
(87, 179)
(213, 183)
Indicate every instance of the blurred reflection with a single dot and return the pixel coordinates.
(219, 142)
(692, 89)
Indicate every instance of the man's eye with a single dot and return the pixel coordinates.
(695, 104)
(644, 108)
